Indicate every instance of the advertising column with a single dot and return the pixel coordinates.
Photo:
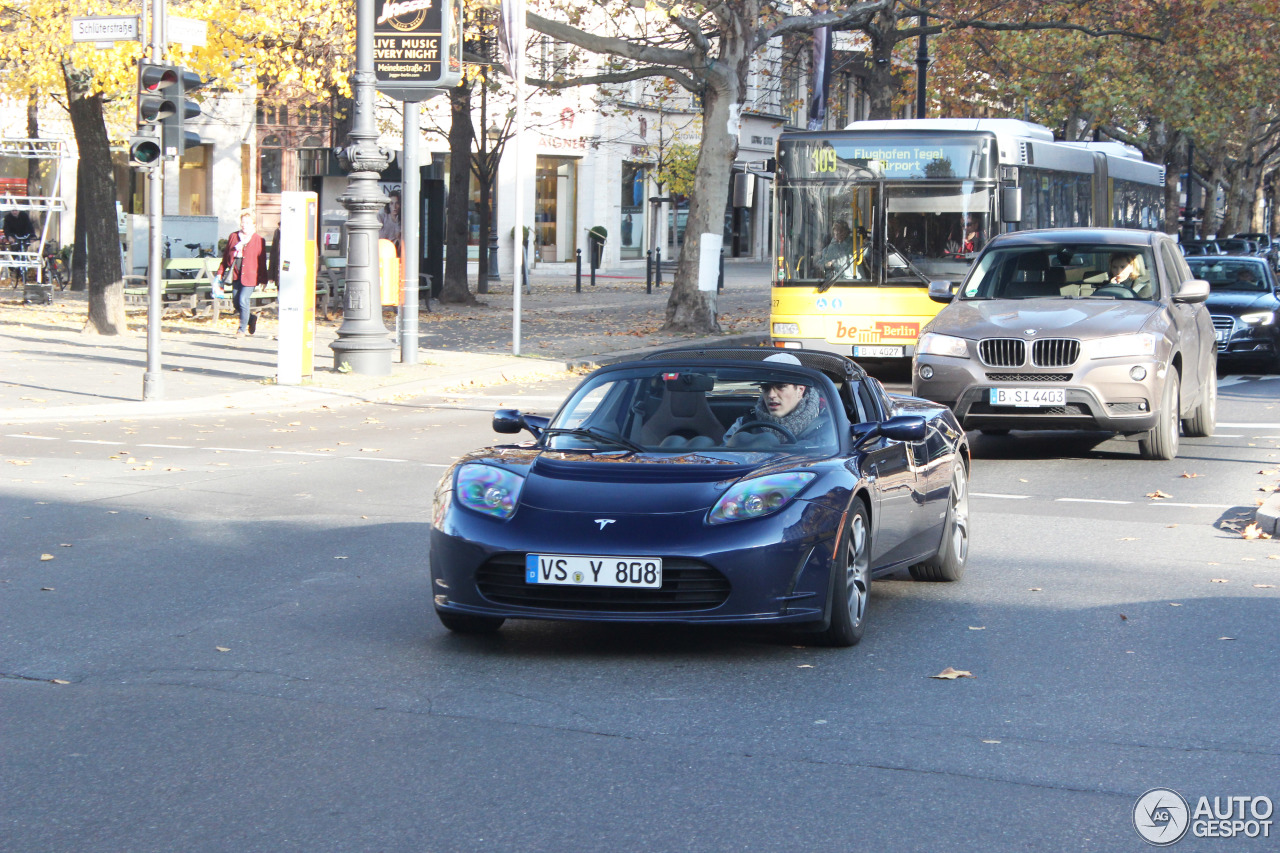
(298, 221)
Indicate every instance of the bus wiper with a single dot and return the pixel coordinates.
(827, 281)
(597, 435)
(893, 250)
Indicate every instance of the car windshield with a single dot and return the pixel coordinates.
(1230, 273)
(1063, 270)
(673, 408)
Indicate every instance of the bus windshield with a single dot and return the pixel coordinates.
(864, 233)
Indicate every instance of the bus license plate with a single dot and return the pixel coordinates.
(565, 570)
(1028, 396)
(878, 352)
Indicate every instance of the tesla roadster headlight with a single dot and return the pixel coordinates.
(1262, 318)
(1121, 346)
(492, 491)
(759, 497)
(931, 343)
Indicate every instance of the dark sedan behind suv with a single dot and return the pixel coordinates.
(1244, 307)
(1086, 329)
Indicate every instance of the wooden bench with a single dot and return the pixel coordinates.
(182, 280)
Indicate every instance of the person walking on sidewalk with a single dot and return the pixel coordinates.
(246, 258)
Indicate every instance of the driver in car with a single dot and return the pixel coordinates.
(1123, 270)
(798, 409)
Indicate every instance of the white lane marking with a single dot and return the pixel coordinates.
(231, 449)
(1228, 381)
(169, 446)
(434, 465)
(93, 441)
(303, 453)
(374, 458)
(1002, 497)
(1193, 506)
(1249, 426)
(39, 437)
(1090, 501)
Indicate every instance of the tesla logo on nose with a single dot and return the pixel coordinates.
(604, 522)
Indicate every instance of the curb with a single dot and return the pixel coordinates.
(1267, 516)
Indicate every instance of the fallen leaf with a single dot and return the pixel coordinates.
(339, 558)
(1226, 638)
(952, 674)
(1127, 539)
(1158, 495)
(1173, 604)
(977, 627)
(985, 741)
(1185, 475)
(798, 666)
(1035, 589)
(58, 681)
(1253, 531)
(44, 558)
(1170, 526)
(66, 545)
(1219, 580)
(1124, 618)
(222, 648)
(1264, 586)
(27, 462)
(47, 589)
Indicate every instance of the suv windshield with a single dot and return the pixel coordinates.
(1070, 271)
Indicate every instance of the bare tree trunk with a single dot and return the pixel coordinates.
(33, 132)
(456, 289)
(79, 256)
(96, 183)
(882, 83)
(1214, 177)
(1175, 164)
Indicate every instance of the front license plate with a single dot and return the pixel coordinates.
(1221, 334)
(878, 352)
(565, 570)
(1028, 396)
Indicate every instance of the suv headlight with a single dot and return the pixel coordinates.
(759, 497)
(932, 343)
(1262, 318)
(489, 490)
(1122, 346)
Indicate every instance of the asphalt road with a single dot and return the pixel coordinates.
(240, 611)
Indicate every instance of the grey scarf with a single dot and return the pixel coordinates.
(799, 418)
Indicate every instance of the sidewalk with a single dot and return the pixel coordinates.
(54, 372)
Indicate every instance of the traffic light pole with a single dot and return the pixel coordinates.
(152, 379)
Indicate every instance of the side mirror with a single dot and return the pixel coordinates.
(510, 422)
(1193, 291)
(940, 291)
(898, 428)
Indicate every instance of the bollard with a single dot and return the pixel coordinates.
(577, 281)
(593, 272)
(720, 281)
(648, 271)
(657, 266)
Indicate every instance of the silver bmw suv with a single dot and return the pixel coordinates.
(1085, 329)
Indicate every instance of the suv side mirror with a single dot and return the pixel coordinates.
(940, 291)
(1192, 291)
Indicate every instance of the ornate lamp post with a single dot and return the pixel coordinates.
(364, 344)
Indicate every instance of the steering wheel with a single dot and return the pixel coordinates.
(786, 433)
(1122, 291)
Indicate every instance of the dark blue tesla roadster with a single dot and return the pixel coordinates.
(716, 486)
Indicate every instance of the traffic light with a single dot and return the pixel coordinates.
(176, 136)
(144, 151)
(163, 110)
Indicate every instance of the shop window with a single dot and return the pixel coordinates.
(311, 158)
(631, 229)
(270, 165)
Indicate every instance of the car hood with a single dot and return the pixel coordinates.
(1240, 302)
(1078, 318)
(634, 482)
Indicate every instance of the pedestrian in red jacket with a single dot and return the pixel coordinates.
(246, 258)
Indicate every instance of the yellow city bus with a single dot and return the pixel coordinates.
(866, 217)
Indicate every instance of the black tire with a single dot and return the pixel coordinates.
(1200, 423)
(850, 581)
(466, 623)
(953, 553)
(1161, 441)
